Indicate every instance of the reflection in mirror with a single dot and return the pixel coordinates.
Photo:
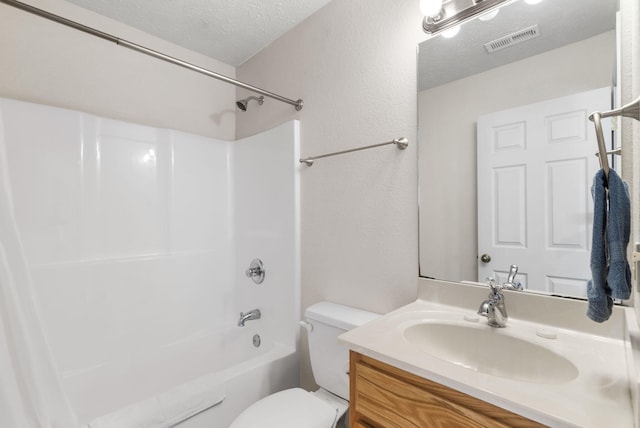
(506, 153)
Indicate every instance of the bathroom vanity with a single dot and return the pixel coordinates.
(383, 395)
(436, 362)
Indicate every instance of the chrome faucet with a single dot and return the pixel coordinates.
(511, 283)
(253, 314)
(493, 308)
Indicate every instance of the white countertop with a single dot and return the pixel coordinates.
(600, 395)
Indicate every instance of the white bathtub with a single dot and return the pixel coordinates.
(205, 381)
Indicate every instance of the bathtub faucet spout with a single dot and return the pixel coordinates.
(246, 316)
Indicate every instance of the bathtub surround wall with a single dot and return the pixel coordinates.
(129, 234)
(45, 62)
(267, 225)
(265, 175)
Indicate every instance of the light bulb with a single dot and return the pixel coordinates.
(451, 32)
(430, 8)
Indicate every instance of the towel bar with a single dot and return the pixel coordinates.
(401, 144)
(631, 110)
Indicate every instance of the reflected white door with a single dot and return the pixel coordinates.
(535, 169)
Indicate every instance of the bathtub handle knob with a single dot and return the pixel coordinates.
(307, 326)
(255, 271)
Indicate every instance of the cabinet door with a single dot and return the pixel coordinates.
(395, 403)
(383, 396)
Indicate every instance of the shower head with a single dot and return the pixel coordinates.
(242, 104)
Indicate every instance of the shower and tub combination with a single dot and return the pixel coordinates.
(124, 251)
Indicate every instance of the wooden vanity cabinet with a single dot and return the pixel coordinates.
(383, 396)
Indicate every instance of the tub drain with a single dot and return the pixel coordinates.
(256, 340)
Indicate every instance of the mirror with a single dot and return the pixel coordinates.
(559, 51)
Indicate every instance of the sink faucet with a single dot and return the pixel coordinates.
(493, 308)
(253, 314)
(511, 283)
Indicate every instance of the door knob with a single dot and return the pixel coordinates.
(485, 258)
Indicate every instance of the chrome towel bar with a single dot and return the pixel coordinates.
(401, 144)
(630, 110)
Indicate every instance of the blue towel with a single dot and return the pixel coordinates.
(618, 232)
(611, 275)
(598, 292)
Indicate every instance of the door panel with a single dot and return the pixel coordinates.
(535, 168)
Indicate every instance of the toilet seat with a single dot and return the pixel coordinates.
(291, 408)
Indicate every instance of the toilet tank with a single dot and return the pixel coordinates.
(330, 358)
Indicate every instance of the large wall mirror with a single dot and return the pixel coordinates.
(506, 152)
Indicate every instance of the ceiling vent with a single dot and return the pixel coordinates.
(513, 39)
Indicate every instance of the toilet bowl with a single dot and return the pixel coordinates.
(297, 408)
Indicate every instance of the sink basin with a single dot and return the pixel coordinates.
(491, 351)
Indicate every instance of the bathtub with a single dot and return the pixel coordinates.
(190, 384)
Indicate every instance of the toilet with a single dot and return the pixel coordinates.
(297, 408)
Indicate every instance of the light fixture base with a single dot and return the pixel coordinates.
(454, 14)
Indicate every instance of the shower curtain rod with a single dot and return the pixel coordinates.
(138, 48)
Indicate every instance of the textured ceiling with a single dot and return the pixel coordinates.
(230, 31)
(561, 22)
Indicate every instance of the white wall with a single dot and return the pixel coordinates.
(354, 64)
(48, 63)
(447, 132)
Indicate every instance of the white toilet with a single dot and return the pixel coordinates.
(297, 408)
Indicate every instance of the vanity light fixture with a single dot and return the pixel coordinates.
(451, 32)
(431, 8)
(455, 12)
(489, 15)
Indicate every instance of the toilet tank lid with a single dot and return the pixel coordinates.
(340, 316)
